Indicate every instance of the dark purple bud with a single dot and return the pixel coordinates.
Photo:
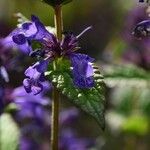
(56, 2)
(142, 29)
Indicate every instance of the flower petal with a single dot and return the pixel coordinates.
(32, 72)
(82, 70)
(27, 85)
(36, 88)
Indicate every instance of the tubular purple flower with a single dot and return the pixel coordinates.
(17, 41)
(21, 37)
(82, 70)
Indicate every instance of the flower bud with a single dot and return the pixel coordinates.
(56, 2)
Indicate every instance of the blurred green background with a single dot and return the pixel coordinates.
(124, 61)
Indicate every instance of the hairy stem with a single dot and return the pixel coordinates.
(55, 101)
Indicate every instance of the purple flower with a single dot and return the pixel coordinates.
(137, 51)
(142, 29)
(51, 48)
(29, 106)
(68, 116)
(21, 37)
(70, 141)
(82, 70)
(17, 40)
(34, 121)
(35, 77)
(28, 144)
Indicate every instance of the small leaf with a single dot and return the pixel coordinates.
(90, 100)
(9, 133)
(56, 2)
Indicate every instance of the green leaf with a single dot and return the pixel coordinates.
(90, 100)
(126, 75)
(9, 133)
(126, 71)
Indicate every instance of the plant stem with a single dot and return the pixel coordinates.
(55, 101)
(58, 21)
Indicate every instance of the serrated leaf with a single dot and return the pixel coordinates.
(9, 133)
(90, 100)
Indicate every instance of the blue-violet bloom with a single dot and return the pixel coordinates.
(51, 47)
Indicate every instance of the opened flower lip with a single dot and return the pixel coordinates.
(35, 77)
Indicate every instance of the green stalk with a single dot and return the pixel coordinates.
(55, 101)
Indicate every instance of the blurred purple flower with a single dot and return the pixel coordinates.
(68, 116)
(70, 141)
(28, 144)
(32, 116)
(30, 106)
(137, 50)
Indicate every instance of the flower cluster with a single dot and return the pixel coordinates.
(50, 48)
